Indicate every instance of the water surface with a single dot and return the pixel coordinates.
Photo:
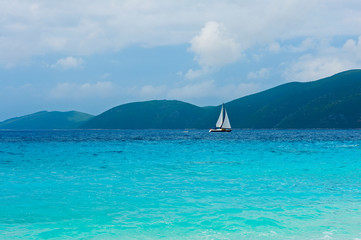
(175, 184)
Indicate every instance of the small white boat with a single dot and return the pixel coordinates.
(223, 124)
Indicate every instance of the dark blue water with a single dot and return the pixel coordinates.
(173, 184)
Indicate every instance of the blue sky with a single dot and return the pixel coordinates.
(94, 55)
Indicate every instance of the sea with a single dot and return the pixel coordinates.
(180, 184)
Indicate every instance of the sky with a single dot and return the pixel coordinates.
(90, 56)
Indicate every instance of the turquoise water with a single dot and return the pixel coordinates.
(117, 184)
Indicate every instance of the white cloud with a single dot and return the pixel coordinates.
(192, 74)
(68, 63)
(263, 73)
(214, 47)
(31, 28)
(351, 47)
(305, 45)
(274, 47)
(325, 62)
(310, 68)
(68, 90)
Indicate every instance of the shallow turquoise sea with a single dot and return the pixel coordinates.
(174, 184)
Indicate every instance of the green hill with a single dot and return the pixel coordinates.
(47, 120)
(333, 102)
(156, 114)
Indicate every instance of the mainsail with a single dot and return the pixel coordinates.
(220, 119)
(226, 123)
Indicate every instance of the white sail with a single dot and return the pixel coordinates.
(220, 119)
(223, 124)
(226, 123)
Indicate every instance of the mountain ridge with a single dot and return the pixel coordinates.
(47, 120)
(298, 105)
(331, 102)
(160, 114)
(326, 103)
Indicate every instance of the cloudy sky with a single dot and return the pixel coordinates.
(94, 55)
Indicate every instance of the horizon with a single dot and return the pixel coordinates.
(91, 57)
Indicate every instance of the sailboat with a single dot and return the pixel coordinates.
(223, 124)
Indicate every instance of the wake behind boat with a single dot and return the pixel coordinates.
(223, 124)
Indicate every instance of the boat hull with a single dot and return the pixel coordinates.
(220, 130)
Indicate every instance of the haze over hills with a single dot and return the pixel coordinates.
(333, 102)
(47, 120)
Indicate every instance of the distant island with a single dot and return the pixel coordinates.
(47, 120)
(332, 102)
